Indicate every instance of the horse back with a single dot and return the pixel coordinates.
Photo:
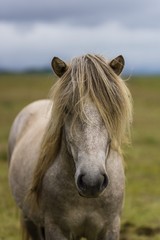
(31, 115)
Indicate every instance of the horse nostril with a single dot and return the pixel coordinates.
(80, 182)
(105, 182)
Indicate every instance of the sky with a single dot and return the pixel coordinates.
(32, 32)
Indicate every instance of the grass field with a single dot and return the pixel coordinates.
(141, 214)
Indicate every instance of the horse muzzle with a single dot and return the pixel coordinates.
(91, 187)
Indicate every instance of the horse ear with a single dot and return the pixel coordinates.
(59, 67)
(117, 64)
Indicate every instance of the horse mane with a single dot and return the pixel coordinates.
(87, 76)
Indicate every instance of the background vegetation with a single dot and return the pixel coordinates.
(141, 215)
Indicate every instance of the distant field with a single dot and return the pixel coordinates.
(141, 215)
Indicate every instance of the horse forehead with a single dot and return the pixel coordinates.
(94, 131)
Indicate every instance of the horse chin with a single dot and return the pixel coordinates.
(89, 195)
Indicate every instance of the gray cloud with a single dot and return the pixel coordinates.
(138, 13)
(34, 31)
(35, 47)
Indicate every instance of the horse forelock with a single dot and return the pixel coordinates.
(88, 76)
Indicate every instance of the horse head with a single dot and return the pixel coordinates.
(87, 138)
(88, 143)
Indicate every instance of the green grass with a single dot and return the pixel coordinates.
(142, 206)
(9, 224)
(140, 218)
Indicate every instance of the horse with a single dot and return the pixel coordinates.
(66, 170)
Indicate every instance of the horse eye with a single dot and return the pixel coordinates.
(67, 110)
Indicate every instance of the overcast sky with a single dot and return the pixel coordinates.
(32, 32)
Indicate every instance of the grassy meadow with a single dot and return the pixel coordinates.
(141, 214)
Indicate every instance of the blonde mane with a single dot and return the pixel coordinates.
(87, 76)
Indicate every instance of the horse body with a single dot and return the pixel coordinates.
(82, 187)
(24, 140)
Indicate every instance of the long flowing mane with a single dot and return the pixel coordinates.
(87, 76)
